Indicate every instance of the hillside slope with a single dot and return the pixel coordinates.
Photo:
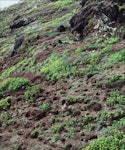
(62, 84)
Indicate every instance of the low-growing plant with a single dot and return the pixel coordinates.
(116, 57)
(94, 58)
(79, 49)
(94, 46)
(114, 81)
(73, 99)
(106, 49)
(112, 40)
(70, 123)
(91, 69)
(12, 84)
(56, 67)
(62, 4)
(105, 115)
(57, 128)
(46, 107)
(34, 133)
(56, 138)
(8, 72)
(86, 119)
(115, 142)
(32, 93)
(117, 124)
(55, 119)
(116, 98)
(10, 122)
(62, 91)
(67, 113)
(89, 127)
(5, 116)
(89, 104)
(5, 103)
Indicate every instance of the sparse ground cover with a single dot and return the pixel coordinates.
(75, 92)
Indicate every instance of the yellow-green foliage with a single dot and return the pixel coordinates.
(8, 72)
(45, 107)
(115, 142)
(55, 21)
(116, 98)
(117, 57)
(32, 93)
(94, 58)
(4, 103)
(62, 4)
(112, 40)
(79, 49)
(12, 84)
(56, 67)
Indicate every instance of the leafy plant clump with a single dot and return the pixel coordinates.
(117, 57)
(58, 128)
(116, 98)
(46, 107)
(62, 4)
(4, 103)
(32, 93)
(72, 99)
(56, 67)
(12, 84)
(115, 142)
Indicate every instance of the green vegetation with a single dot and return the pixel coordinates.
(106, 49)
(5, 103)
(72, 99)
(7, 120)
(8, 72)
(5, 116)
(116, 125)
(116, 98)
(56, 67)
(79, 50)
(62, 4)
(56, 138)
(34, 133)
(46, 107)
(58, 128)
(10, 122)
(116, 57)
(86, 119)
(89, 127)
(73, 68)
(115, 80)
(12, 84)
(115, 142)
(70, 122)
(32, 93)
(112, 40)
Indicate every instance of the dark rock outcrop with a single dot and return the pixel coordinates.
(19, 23)
(103, 16)
(18, 42)
(61, 28)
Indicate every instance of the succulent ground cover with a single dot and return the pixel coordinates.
(60, 92)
